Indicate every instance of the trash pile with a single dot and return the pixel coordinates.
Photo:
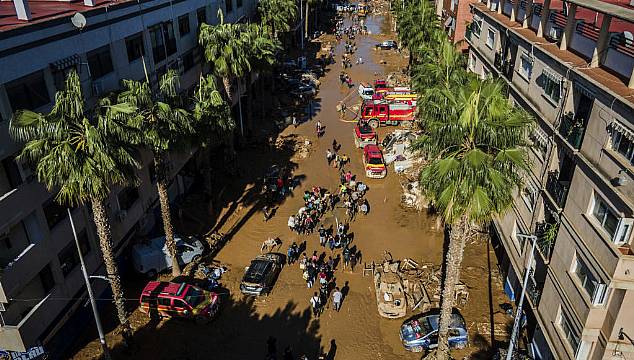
(419, 284)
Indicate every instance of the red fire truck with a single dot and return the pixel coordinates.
(383, 112)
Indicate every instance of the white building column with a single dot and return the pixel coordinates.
(515, 9)
(501, 6)
(631, 84)
(22, 9)
(528, 17)
(439, 6)
(543, 21)
(598, 54)
(566, 38)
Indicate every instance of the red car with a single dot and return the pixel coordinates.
(373, 162)
(364, 135)
(167, 299)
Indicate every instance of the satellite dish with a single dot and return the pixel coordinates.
(78, 20)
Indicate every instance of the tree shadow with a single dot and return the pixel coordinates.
(238, 332)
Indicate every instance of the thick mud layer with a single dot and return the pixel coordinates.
(357, 332)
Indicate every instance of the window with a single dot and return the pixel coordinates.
(238, 3)
(622, 142)
(46, 277)
(552, 86)
(526, 66)
(165, 301)
(529, 195)
(68, 257)
(490, 39)
(60, 75)
(183, 25)
(539, 141)
(10, 177)
(54, 213)
(201, 16)
(476, 25)
(163, 41)
(179, 304)
(565, 325)
(519, 240)
(229, 6)
(127, 197)
(100, 62)
(134, 45)
(29, 92)
(188, 60)
(617, 228)
(485, 74)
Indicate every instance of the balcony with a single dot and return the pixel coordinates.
(546, 233)
(533, 292)
(557, 189)
(572, 129)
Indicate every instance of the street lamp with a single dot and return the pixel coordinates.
(518, 314)
(623, 336)
(93, 302)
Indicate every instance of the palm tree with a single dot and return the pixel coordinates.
(476, 143)
(277, 15)
(82, 154)
(162, 124)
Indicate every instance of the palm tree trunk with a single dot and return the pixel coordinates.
(453, 262)
(306, 22)
(226, 81)
(161, 186)
(102, 222)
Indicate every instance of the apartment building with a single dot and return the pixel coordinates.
(455, 16)
(568, 63)
(41, 286)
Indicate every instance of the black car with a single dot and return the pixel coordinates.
(260, 276)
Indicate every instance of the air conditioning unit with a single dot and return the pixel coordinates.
(555, 33)
(97, 88)
(121, 215)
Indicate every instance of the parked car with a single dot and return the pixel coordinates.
(168, 299)
(386, 45)
(366, 91)
(153, 257)
(421, 333)
(260, 275)
(364, 135)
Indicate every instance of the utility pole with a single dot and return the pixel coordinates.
(301, 21)
(93, 302)
(518, 314)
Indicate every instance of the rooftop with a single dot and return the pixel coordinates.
(46, 10)
(603, 78)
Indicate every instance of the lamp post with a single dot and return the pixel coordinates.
(518, 314)
(93, 302)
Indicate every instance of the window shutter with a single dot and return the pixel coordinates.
(599, 294)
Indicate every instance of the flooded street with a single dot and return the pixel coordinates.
(357, 332)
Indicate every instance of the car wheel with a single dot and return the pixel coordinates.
(417, 349)
(151, 274)
(374, 123)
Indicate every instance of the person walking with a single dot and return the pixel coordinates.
(346, 257)
(353, 261)
(291, 222)
(290, 255)
(337, 297)
(322, 235)
(315, 303)
(329, 156)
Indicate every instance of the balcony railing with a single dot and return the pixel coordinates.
(572, 130)
(558, 190)
(503, 65)
(546, 235)
(533, 291)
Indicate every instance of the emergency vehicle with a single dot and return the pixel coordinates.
(168, 299)
(383, 112)
(373, 162)
(364, 135)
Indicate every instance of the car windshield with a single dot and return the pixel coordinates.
(365, 129)
(193, 296)
(375, 161)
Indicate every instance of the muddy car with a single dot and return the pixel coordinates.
(168, 299)
(364, 135)
(421, 333)
(386, 45)
(390, 294)
(259, 277)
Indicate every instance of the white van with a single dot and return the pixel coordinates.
(366, 91)
(152, 257)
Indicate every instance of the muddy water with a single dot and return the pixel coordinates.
(357, 332)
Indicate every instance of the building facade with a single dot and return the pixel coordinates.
(455, 16)
(570, 65)
(41, 286)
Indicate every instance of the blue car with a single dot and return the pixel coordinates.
(421, 333)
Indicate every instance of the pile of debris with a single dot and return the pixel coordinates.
(421, 283)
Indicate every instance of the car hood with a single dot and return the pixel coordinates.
(256, 271)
